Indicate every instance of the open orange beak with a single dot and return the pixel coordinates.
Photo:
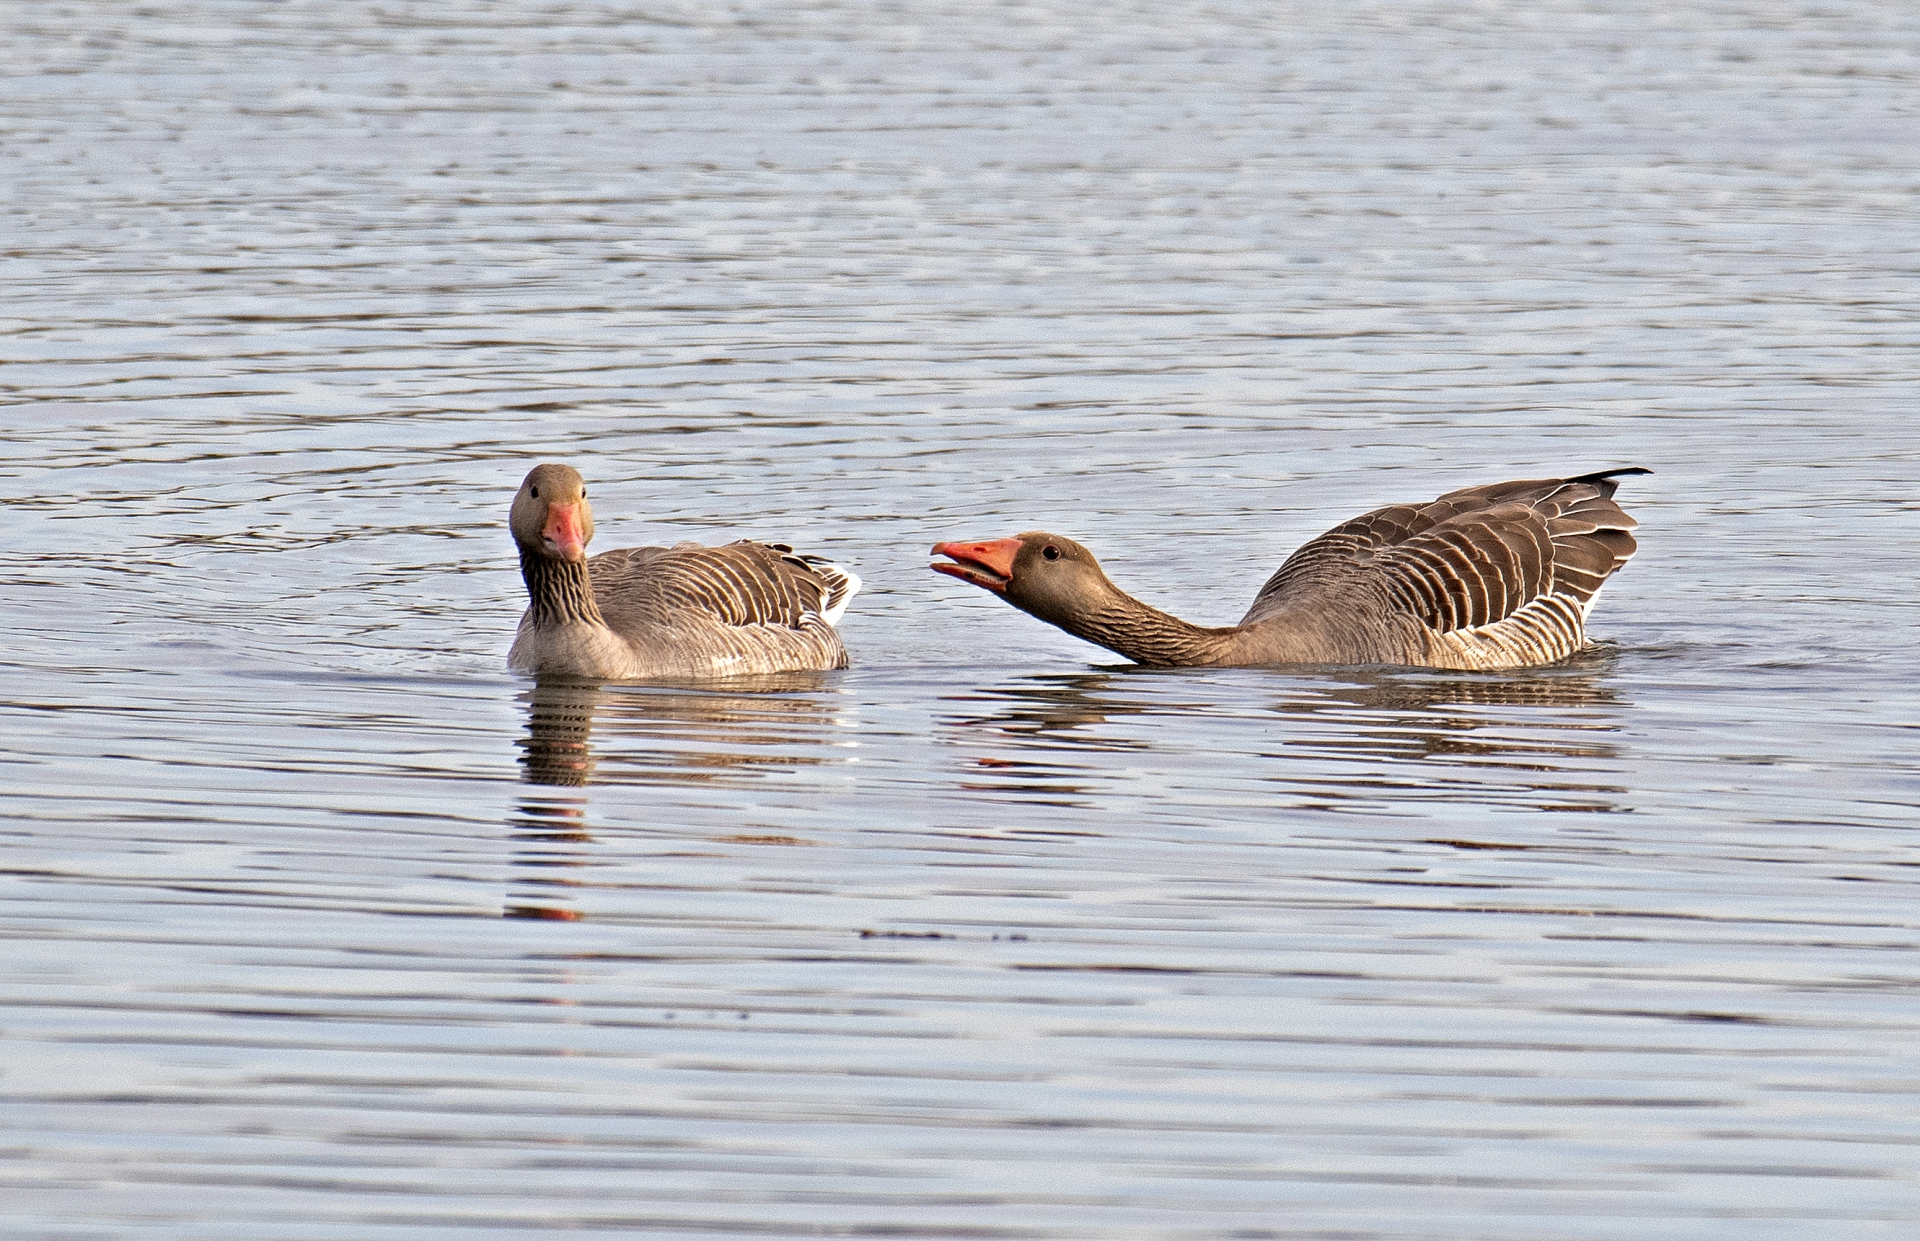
(563, 532)
(989, 565)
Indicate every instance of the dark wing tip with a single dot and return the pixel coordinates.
(1602, 475)
(1603, 479)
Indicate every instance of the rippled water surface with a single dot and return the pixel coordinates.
(321, 926)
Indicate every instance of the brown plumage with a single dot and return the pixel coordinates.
(685, 612)
(1501, 576)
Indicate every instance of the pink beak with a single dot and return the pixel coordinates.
(563, 533)
(988, 564)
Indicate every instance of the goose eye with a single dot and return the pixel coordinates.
(534, 492)
(1050, 552)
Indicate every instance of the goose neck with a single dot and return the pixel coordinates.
(1145, 634)
(559, 592)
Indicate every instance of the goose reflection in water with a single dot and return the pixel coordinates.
(671, 735)
(1537, 738)
(549, 838)
(558, 747)
(1419, 715)
(550, 832)
(648, 735)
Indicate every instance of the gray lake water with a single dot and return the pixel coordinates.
(320, 926)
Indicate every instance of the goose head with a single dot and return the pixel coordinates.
(551, 516)
(1044, 575)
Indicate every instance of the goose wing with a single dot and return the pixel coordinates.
(1508, 570)
(738, 584)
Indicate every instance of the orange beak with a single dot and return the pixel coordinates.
(563, 532)
(988, 565)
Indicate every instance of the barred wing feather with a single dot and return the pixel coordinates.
(1494, 573)
(738, 584)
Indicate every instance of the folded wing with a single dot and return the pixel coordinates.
(739, 584)
(1495, 574)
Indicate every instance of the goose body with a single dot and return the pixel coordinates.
(685, 612)
(1501, 576)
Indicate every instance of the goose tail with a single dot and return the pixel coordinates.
(842, 585)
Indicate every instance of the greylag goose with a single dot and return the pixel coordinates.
(685, 612)
(1501, 576)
